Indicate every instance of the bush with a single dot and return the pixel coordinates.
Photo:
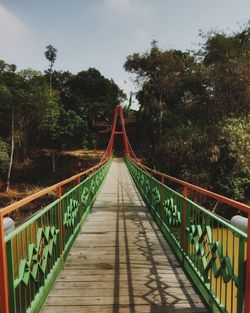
(4, 157)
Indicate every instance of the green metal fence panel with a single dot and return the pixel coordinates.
(215, 251)
(35, 252)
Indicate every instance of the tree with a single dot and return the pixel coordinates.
(166, 84)
(227, 58)
(61, 129)
(50, 54)
(33, 117)
(194, 110)
(92, 96)
(234, 163)
(4, 157)
(11, 69)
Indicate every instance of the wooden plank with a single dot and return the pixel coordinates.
(120, 261)
(152, 308)
(177, 299)
(102, 292)
(123, 284)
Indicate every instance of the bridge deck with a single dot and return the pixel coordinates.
(120, 262)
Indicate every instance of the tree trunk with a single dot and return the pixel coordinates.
(53, 162)
(12, 149)
(50, 83)
(161, 114)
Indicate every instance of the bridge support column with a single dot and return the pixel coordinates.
(118, 110)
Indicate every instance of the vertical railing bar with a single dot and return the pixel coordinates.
(3, 270)
(232, 290)
(52, 260)
(78, 181)
(19, 287)
(24, 288)
(54, 224)
(28, 291)
(184, 222)
(221, 240)
(89, 183)
(30, 234)
(247, 286)
(11, 279)
(193, 222)
(240, 287)
(217, 238)
(60, 215)
(211, 269)
(226, 300)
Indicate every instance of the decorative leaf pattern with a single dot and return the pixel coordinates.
(207, 254)
(201, 237)
(70, 216)
(85, 196)
(38, 255)
(172, 215)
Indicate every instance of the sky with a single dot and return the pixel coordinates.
(102, 33)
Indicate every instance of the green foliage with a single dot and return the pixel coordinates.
(91, 95)
(62, 129)
(73, 129)
(235, 135)
(195, 111)
(55, 117)
(4, 157)
(50, 54)
(183, 148)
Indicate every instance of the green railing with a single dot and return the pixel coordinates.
(37, 249)
(211, 250)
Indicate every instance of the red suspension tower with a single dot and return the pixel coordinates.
(114, 132)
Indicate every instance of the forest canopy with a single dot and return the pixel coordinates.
(195, 111)
(54, 110)
(193, 120)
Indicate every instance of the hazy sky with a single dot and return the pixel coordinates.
(101, 33)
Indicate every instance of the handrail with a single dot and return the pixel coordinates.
(212, 251)
(50, 226)
(238, 205)
(16, 205)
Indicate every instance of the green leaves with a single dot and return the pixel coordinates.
(92, 96)
(50, 54)
(194, 113)
(4, 157)
(62, 129)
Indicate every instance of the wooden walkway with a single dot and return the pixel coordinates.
(120, 262)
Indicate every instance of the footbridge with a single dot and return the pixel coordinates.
(121, 237)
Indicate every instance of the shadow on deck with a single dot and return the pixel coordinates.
(120, 261)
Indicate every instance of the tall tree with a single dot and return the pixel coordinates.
(12, 69)
(61, 129)
(50, 54)
(195, 110)
(164, 86)
(4, 157)
(92, 96)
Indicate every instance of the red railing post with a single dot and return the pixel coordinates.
(247, 288)
(3, 271)
(184, 223)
